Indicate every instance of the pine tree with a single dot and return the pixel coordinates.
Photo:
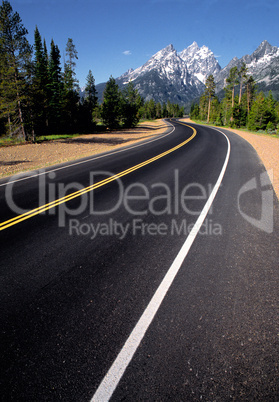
(232, 81)
(209, 93)
(70, 90)
(90, 104)
(164, 111)
(243, 77)
(39, 87)
(151, 106)
(111, 106)
(260, 114)
(15, 59)
(70, 80)
(203, 107)
(195, 111)
(55, 88)
(158, 110)
(130, 105)
(250, 92)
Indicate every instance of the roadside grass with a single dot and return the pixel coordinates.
(55, 137)
(244, 129)
(4, 141)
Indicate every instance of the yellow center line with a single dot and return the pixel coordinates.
(46, 207)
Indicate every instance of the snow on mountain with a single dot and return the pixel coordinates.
(262, 64)
(168, 75)
(166, 62)
(200, 62)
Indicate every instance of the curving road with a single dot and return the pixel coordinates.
(159, 284)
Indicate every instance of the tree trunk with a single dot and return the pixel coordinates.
(240, 92)
(19, 105)
(21, 120)
(10, 124)
(208, 113)
(248, 101)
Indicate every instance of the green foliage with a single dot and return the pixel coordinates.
(131, 103)
(15, 54)
(262, 113)
(209, 93)
(195, 111)
(111, 107)
(89, 106)
(39, 97)
(248, 109)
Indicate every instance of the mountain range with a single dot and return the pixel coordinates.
(180, 76)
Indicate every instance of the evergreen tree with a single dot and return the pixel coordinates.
(151, 107)
(164, 111)
(209, 93)
(39, 87)
(242, 78)
(250, 92)
(15, 59)
(239, 115)
(158, 110)
(195, 111)
(232, 81)
(203, 107)
(261, 113)
(55, 88)
(70, 90)
(130, 105)
(111, 106)
(169, 109)
(70, 80)
(90, 91)
(91, 100)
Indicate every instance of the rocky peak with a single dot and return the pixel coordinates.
(265, 48)
(200, 61)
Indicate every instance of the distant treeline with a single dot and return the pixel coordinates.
(242, 105)
(38, 97)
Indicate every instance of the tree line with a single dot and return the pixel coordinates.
(241, 106)
(39, 97)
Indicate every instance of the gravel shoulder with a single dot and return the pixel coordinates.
(268, 150)
(19, 158)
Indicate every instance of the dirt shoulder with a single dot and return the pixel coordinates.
(268, 150)
(20, 158)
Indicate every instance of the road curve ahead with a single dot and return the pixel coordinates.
(149, 273)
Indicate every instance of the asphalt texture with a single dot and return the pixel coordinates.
(76, 279)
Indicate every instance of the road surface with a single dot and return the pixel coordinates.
(158, 284)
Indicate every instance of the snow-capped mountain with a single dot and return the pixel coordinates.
(180, 77)
(164, 77)
(168, 75)
(262, 64)
(200, 62)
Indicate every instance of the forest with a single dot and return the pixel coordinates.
(40, 97)
(241, 105)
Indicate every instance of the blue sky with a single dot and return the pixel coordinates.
(112, 36)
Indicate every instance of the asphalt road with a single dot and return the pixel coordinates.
(78, 279)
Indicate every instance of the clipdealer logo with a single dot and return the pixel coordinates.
(138, 227)
(265, 222)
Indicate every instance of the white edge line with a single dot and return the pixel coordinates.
(85, 161)
(113, 376)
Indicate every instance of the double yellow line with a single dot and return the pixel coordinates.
(55, 203)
